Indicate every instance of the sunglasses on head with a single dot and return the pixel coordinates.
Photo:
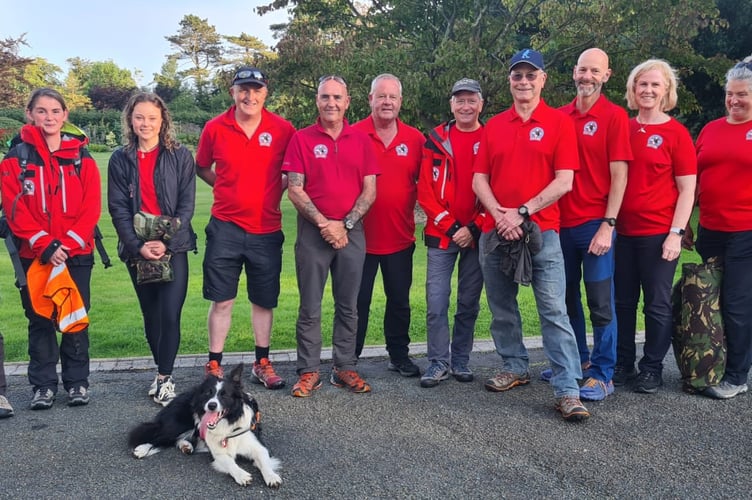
(250, 73)
(746, 65)
(336, 78)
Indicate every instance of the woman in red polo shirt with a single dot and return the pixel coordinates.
(656, 208)
(724, 166)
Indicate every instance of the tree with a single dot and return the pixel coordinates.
(106, 85)
(247, 50)
(198, 42)
(168, 82)
(12, 68)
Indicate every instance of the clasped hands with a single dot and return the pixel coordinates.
(334, 233)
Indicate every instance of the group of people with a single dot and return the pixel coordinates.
(535, 196)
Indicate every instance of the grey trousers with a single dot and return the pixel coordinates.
(314, 260)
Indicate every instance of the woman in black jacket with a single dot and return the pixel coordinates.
(154, 176)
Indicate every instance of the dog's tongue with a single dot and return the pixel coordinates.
(209, 418)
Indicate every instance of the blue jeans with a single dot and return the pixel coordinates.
(598, 274)
(438, 289)
(559, 343)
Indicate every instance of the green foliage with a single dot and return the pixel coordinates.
(199, 43)
(8, 129)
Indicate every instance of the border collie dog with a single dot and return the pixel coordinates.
(218, 416)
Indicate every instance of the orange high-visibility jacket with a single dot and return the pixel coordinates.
(54, 295)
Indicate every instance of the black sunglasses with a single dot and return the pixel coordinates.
(746, 65)
(336, 78)
(251, 73)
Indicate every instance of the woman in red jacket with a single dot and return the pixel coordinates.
(52, 198)
(724, 166)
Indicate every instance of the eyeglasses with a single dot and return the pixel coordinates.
(244, 74)
(530, 77)
(336, 78)
(745, 65)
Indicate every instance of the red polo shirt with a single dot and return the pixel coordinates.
(661, 153)
(248, 188)
(724, 169)
(390, 223)
(521, 158)
(333, 169)
(602, 137)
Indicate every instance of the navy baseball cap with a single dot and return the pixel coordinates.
(247, 74)
(530, 56)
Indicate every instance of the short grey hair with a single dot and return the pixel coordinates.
(385, 76)
(742, 71)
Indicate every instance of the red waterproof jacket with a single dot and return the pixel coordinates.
(437, 190)
(52, 202)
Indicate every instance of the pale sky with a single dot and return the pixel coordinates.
(128, 32)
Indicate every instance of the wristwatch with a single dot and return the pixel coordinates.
(678, 230)
(611, 221)
(524, 212)
(349, 224)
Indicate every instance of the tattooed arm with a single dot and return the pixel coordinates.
(297, 195)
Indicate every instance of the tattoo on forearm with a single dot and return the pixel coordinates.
(294, 179)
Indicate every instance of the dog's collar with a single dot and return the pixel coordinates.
(254, 421)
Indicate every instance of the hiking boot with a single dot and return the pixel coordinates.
(506, 380)
(263, 373)
(725, 390)
(648, 382)
(350, 380)
(596, 390)
(461, 372)
(78, 396)
(306, 384)
(165, 391)
(43, 399)
(214, 368)
(405, 367)
(435, 373)
(6, 410)
(623, 375)
(153, 386)
(571, 409)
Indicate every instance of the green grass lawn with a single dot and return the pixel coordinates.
(116, 324)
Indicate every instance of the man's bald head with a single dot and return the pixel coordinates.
(591, 72)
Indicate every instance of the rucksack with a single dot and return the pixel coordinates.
(698, 337)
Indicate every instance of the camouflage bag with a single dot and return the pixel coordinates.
(153, 271)
(155, 227)
(698, 339)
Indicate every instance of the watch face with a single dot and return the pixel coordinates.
(349, 224)
(523, 211)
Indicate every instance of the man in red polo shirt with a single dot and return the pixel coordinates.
(246, 145)
(588, 219)
(526, 162)
(332, 172)
(390, 225)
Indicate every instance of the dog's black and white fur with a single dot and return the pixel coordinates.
(218, 416)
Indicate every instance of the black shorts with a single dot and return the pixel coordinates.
(228, 249)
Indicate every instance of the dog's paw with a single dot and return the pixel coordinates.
(144, 450)
(273, 480)
(185, 446)
(242, 477)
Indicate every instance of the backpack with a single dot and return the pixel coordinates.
(698, 338)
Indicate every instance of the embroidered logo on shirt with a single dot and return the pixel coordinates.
(536, 134)
(590, 128)
(320, 151)
(265, 139)
(749, 135)
(435, 174)
(28, 187)
(655, 141)
(476, 147)
(401, 149)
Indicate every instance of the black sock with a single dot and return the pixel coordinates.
(215, 356)
(261, 353)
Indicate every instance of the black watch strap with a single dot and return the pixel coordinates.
(611, 221)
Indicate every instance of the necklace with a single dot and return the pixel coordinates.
(144, 152)
(642, 125)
